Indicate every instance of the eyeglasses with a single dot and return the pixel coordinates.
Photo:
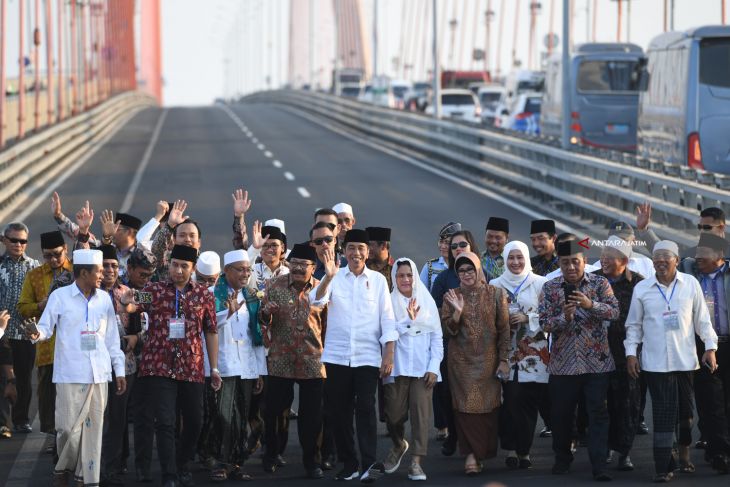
(271, 246)
(466, 272)
(111, 265)
(460, 245)
(320, 241)
(206, 280)
(52, 255)
(14, 240)
(706, 228)
(242, 270)
(299, 265)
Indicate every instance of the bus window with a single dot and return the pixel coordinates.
(608, 76)
(715, 62)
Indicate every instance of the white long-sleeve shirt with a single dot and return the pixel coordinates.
(144, 235)
(66, 312)
(359, 318)
(668, 350)
(417, 354)
(237, 355)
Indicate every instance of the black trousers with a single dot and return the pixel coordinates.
(164, 396)
(144, 428)
(279, 394)
(565, 391)
(624, 403)
(518, 415)
(115, 427)
(350, 391)
(23, 360)
(712, 398)
(442, 393)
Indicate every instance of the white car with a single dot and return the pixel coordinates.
(490, 97)
(460, 105)
(366, 95)
(523, 114)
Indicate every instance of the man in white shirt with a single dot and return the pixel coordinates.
(358, 349)
(87, 348)
(666, 312)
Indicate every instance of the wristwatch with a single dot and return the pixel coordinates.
(215, 370)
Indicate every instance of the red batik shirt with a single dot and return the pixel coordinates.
(178, 359)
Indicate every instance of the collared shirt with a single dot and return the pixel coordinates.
(294, 334)
(493, 266)
(12, 275)
(542, 266)
(237, 355)
(179, 359)
(580, 346)
(637, 263)
(359, 318)
(38, 284)
(417, 354)
(431, 271)
(384, 268)
(623, 289)
(75, 318)
(668, 348)
(713, 286)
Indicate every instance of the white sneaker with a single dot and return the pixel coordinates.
(415, 472)
(395, 456)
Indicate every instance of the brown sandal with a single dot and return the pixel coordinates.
(473, 468)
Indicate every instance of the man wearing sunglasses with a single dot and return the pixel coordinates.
(323, 238)
(712, 220)
(14, 265)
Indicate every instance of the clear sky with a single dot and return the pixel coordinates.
(197, 35)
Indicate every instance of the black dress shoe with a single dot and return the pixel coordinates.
(329, 462)
(701, 445)
(185, 479)
(315, 473)
(642, 429)
(449, 447)
(525, 463)
(561, 468)
(625, 464)
(602, 477)
(512, 463)
(280, 462)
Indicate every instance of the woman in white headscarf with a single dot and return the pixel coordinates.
(418, 354)
(528, 356)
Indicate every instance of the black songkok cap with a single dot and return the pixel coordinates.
(540, 226)
(274, 233)
(52, 240)
(621, 229)
(714, 242)
(109, 251)
(498, 224)
(570, 247)
(303, 251)
(378, 234)
(449, 229)
(183, 252)
(357, 235)
(129, 221)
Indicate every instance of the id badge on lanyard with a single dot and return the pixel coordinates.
(88, 341)
(670, 317)
(176, 329)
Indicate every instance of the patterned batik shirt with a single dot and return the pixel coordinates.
(493, 266)
(12, 275)
(294, 334)
(178, 359)
(543, 267)
(580, 346)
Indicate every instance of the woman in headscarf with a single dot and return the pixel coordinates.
(475, 316)
(528, 356)
(418, 354)
(460, 242)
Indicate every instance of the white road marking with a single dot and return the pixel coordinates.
(255, 140)
(132, 191)
(268, 154)
(42, 197)
(478, 189)
(261, 147)
(289, 176)
(277, 164)
(303, 191)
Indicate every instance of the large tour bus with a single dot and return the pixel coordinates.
(604, 95)
(684, 112)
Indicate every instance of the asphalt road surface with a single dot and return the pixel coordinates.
(291, 166)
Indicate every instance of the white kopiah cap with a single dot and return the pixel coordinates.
(667, 245)
(235, 256)
(275, 222)
(209, 263)
(616, 242)
(88, 257)
(343, 208)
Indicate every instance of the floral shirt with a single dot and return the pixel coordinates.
(179, 359)
(384, 268)
(493, 266)
(294, 335)
(580, 346)
(124, 325)
(12, 275)
(543, 267)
